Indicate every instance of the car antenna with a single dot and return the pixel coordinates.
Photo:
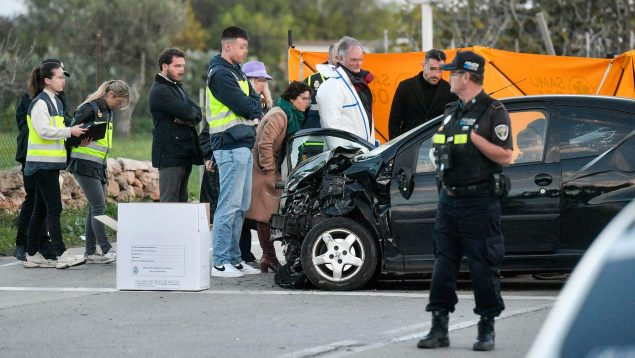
(513, 84)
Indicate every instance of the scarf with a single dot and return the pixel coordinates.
(294, 117)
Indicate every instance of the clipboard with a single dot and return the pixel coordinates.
(95, 131)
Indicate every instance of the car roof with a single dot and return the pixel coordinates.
(622, 103)
(613, 103)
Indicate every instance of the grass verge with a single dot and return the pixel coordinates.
(72, 222)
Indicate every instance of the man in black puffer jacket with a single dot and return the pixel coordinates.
(174, 138)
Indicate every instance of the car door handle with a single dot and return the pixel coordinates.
(543, 179)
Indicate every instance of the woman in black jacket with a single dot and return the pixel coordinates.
(88, 163)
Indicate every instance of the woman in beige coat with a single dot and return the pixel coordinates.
(280, 122)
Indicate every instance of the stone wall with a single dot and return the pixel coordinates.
(128, 180)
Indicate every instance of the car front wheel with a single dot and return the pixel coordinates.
(339, 254)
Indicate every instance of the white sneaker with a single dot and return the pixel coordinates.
(98, 258)
(246, 269)
(69, 260)
(38, 260)
(111, 256)
(226, 270)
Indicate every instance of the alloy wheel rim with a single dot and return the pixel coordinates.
(337, 255)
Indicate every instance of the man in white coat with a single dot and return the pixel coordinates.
(344, 100)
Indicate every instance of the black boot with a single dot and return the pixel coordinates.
(438, 335)
(485, 339)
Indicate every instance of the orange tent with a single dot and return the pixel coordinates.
(620, 77)
(507, 74)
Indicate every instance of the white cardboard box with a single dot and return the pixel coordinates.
(163, 246)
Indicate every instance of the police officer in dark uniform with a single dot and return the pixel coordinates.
(472, 145)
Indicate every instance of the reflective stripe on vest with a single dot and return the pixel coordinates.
(96, 151)
(308, 79)
(460, 138)
(219, 116)
(438, 138)
(313, 144)
(45, 150)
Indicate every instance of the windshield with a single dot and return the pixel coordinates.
(377, 151)
(305, 147)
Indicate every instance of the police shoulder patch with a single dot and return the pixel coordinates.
(502, 131)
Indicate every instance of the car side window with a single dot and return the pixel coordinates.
(529, 128)
(425, 160)
(588, 131)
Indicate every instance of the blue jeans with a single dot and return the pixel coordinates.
(234, 169)
(470, 227)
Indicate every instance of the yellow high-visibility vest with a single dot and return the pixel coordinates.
(46, 150)
(219, 116)
(96, 151)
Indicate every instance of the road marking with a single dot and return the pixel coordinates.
(321, 350)
(268, 293)
(363, 293)
(335, 349)
(12, 264)
(59, 289)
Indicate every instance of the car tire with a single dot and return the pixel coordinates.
(339, 254)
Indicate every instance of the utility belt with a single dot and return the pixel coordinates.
(468, 191)
(499, 185)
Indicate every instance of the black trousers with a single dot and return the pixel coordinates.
(46, 210)
(245, 241)
(471, 227)
(210, 188)
(173, 184)
(26, 211)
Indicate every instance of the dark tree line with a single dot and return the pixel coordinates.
(122, 38)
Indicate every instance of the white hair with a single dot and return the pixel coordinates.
(345, 44)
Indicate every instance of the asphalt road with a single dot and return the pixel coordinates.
(78, 312)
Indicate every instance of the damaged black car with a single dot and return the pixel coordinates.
(351, 212)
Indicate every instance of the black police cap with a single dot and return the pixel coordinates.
(466, 61)
(56, 61)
